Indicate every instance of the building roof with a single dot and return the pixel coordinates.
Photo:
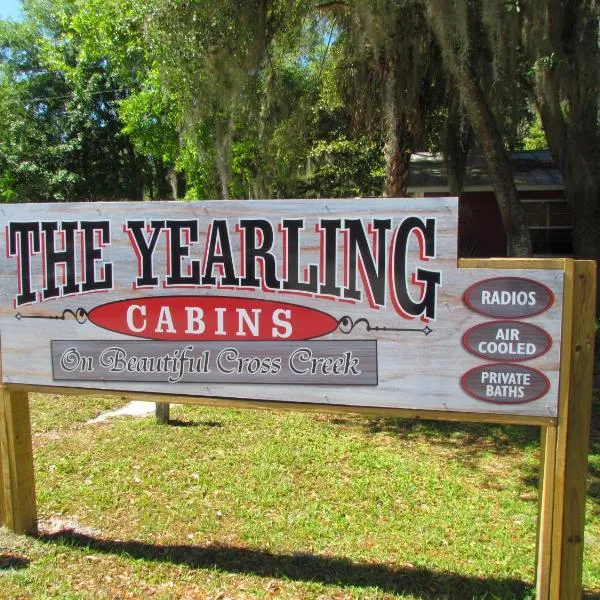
(533, 169)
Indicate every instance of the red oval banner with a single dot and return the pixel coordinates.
(507, 341)
(212, 318)
(509, 297)
(505, 383)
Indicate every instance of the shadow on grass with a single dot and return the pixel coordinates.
(426, 584)
(531, 476)
(11, 561)
(593, 489)
(205, 424)
(594, 465)
(472, 440)
(469, 440)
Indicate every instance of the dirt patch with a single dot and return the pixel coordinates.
(54, 524)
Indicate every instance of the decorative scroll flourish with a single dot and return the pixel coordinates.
(346, 324)
(80, 315)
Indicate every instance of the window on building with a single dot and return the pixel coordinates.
(551, 226)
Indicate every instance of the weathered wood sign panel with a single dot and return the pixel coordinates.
(353, 302)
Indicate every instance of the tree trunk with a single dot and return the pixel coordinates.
(562, 41)
(482, 120)
(161, 185)
(173, 183)
(586, 221)
(224, 137)
(397, 162)
(136, 181)
(396, 151)
(458, 56)
(458, 140)
(582, 185)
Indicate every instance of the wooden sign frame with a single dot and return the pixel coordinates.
(564, 440)
(334, 302)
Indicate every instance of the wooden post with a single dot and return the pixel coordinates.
(545, 512)
(2, 503)
(162, 413)
(18, 486)
(573, 430)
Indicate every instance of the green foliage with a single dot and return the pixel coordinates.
(280, 98)
(240, 101)
(197, 159)
(59, 130)
(345, 168)
(222, 91)
(243, 167)
(534, 137)
(150, 123)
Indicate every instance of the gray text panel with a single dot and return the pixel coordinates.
(305, 362)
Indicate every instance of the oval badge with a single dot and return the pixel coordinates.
(505, 383)
(507, 341)
(509, 297)
(212, 318)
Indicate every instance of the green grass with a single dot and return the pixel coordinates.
(259, 504)
(54, 414)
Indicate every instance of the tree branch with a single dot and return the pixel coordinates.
(331, 6)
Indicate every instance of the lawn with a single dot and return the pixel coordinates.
(264, 504)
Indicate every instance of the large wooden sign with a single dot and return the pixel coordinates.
(353, 305)
(356, 303)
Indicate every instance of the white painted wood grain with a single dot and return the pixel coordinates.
(415, 371)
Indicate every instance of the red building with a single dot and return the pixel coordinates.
(480, 230)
